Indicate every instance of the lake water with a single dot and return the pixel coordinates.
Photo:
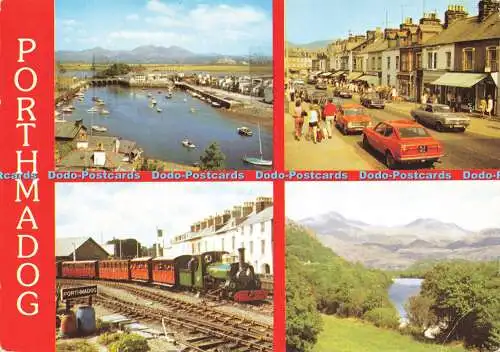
(400, 292)
(160, 134)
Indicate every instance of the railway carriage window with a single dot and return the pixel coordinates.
(388, 132)
(208, 259)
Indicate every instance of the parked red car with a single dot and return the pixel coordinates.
(352, 118)
(403, 142)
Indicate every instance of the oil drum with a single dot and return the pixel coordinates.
(68, 324)
(85, 316)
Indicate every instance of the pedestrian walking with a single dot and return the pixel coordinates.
(292, 93)
(313, 121)
(298, 119)
(482, 106)
(330, 113)
(448, 99)
(459, 103)
(489, 107)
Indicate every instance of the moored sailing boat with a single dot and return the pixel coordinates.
(258, 161)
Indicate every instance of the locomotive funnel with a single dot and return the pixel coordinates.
(241, 252)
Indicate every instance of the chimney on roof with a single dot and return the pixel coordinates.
(390, 33)
(236, 212)
(430, 18)
(79, 123)
(204, 224)
(454, 12)
(226, 216)
(487, 8)
(247, 208)
(219, 220)
(197, 226)
(359, 38)
(407, 23)
(211, 221)
(193, 228)
(263, 203)
(370, 35)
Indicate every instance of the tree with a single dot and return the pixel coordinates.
(213, 158)
(117, 69)
(420, 312)
(128, 248)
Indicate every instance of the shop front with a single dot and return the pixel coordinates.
(406, 86)
(467, 88)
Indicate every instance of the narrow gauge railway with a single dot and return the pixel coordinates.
(211, 273)
(169, 301)
(202, 327)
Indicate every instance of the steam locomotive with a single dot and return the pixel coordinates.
(211, 273)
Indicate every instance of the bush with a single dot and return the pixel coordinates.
(130, 343)
(383, 317)
(108, 338)
(76, 347)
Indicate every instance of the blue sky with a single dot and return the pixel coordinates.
(202, 26)
(312, 20)
(135, 210)
(470, 204)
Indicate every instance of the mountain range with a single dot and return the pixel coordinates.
(148, 54)
(319, 44)
(397, 247)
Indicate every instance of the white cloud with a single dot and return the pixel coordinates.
(132, 17)
(122, 210)
(68, 22)
(152, 37)
(472, 205)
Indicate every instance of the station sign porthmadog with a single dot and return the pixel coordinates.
(76, 292)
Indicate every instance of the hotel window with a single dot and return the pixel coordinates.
(251, 229)
(251, 247)
(397, 62)
(222, 244)
(492, 58)
(199, 247)
(234, 243)
(389, 63)
(468, 59)
(262, 226)
(419, 61)
(448, 59)
(388, 80)
(206, 246)
(262, 247)
(379, 63)
(373, 63)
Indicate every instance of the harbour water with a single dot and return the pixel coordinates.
(160, 134)
(400, 292)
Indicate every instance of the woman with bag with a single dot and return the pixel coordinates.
(299, 119)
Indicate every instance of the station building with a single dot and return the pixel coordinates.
(79, 248)
(248, 226)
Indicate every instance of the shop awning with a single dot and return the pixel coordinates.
(354, 75)
(461, 80)
(371, 80)
(339, 73)
(326, 74)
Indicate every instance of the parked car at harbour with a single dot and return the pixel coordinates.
(403, 142)
(440, 117)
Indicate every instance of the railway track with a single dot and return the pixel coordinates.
(204, 328)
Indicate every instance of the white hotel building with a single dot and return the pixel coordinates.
(249, 226)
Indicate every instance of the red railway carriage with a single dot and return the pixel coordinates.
(84, 269)
(140, 269)
(114, 269)
(163, 271)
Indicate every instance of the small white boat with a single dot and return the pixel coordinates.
(93, 109)
(260, 161)
(215, 104)
(57, 113)
(72, 107)
(98, 128)
(79, 95)
(209, 101)
(159, 110)
(193, 110)
(150, 95)
(153, 101)
(185, 100)
(104, 112)
(188, 144)
(68, 110)
(100, 103)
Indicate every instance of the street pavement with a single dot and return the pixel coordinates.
(478, 147)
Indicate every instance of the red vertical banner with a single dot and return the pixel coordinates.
(27, 312)
(279, 186)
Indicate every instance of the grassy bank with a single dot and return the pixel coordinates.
(254, 69)
(349, 335)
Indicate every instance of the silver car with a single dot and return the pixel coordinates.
(440, 117)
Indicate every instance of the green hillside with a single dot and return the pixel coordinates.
(348, 335)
